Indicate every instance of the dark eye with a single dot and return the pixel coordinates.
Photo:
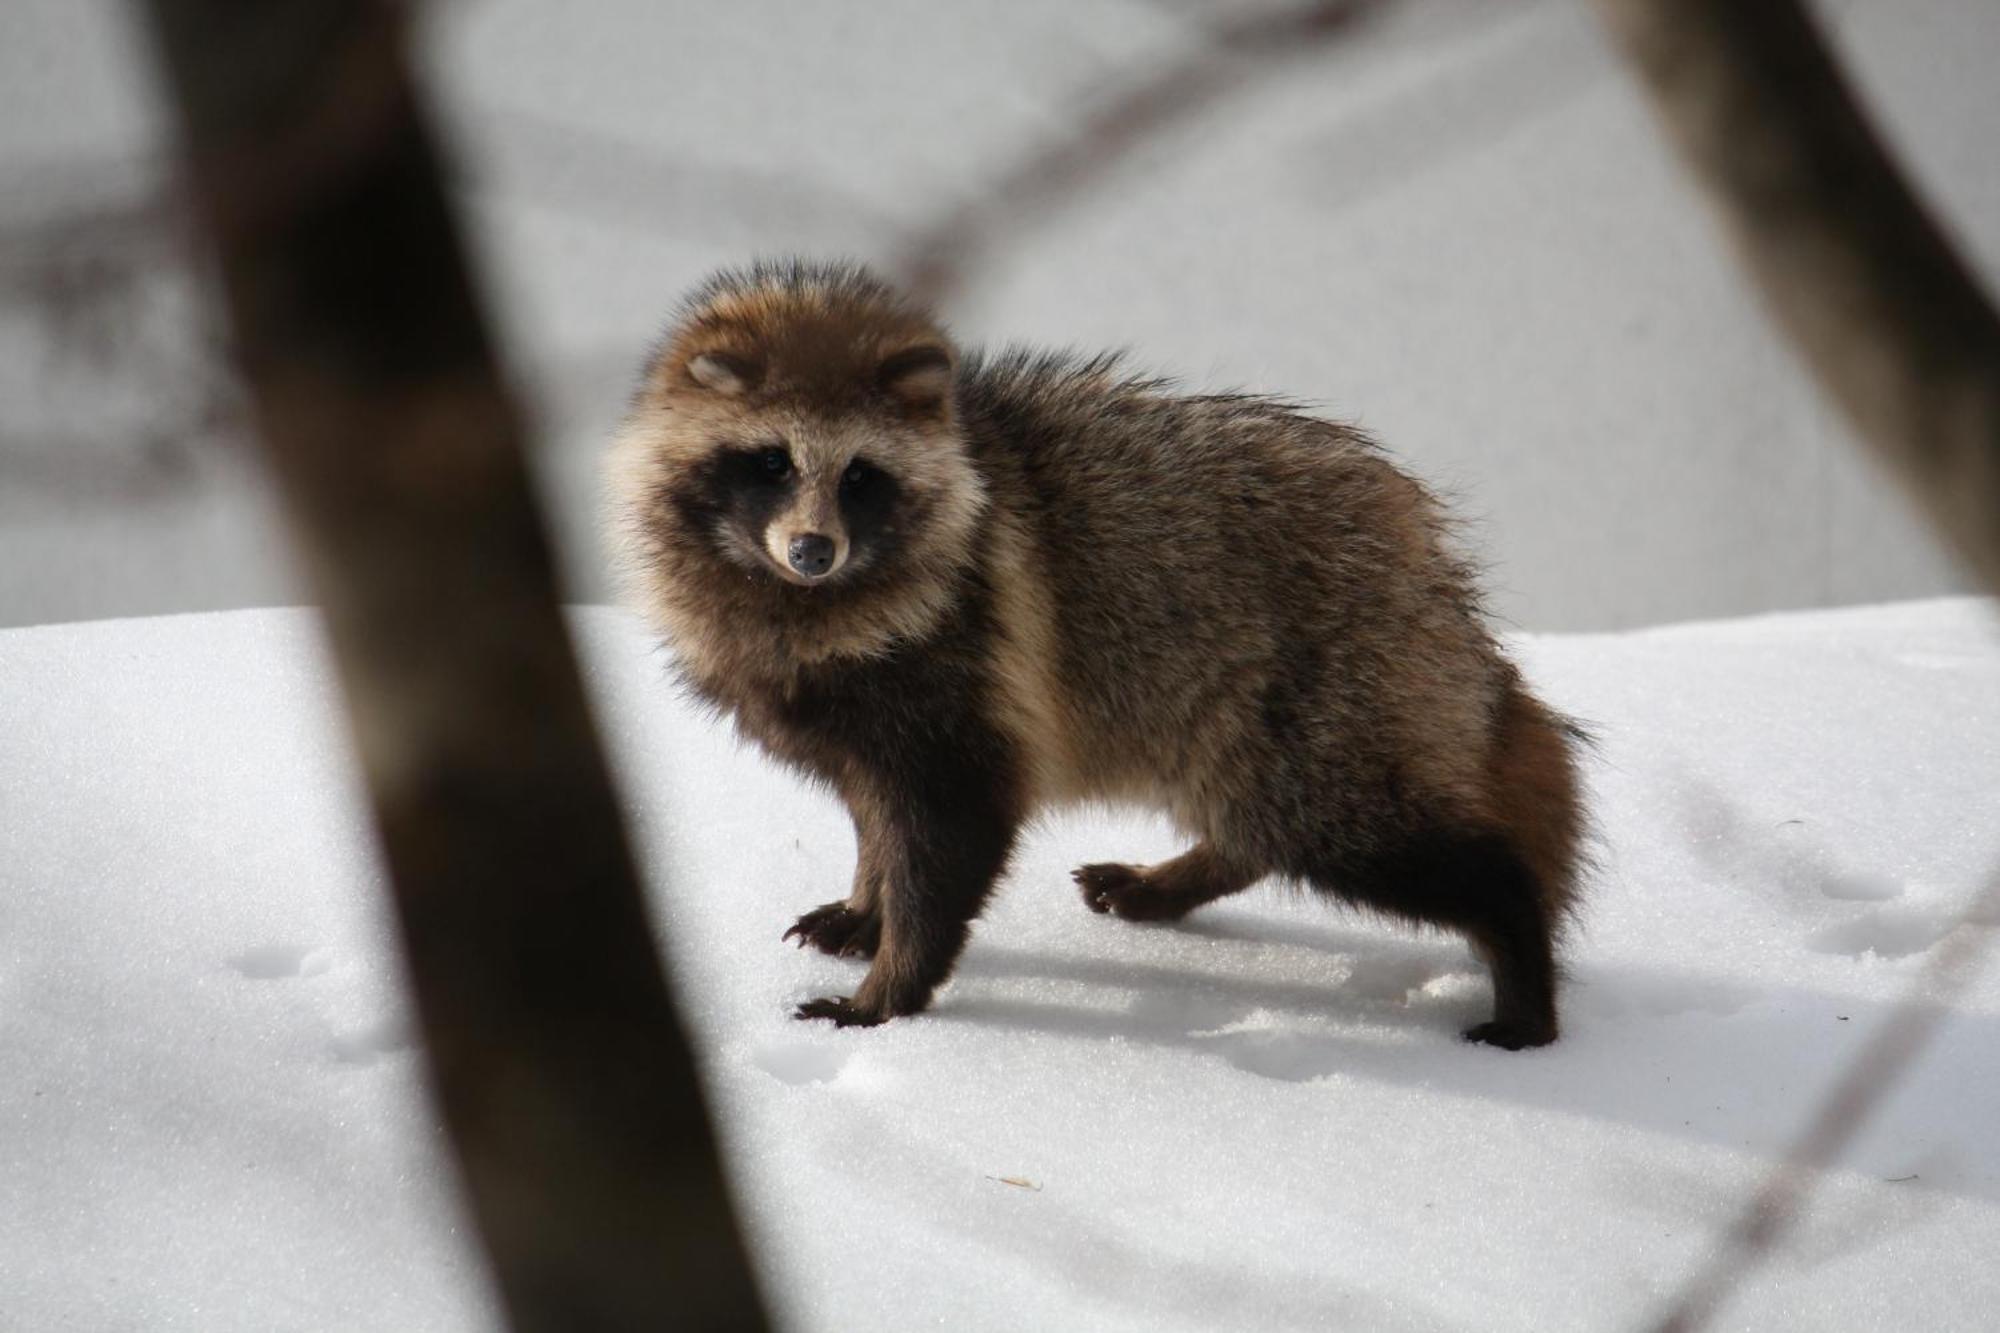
(857, 472)
(774, 463)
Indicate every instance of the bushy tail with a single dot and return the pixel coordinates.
(1535, 793)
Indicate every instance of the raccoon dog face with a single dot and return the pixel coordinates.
(794, 457)
(814, 492)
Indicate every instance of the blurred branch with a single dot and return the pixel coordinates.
(1887, 316)
(583, 172)
(1898, 332)
(568, 1090)
(939, 262)
(1864, 1085)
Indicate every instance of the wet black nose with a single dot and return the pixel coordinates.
(811, 554)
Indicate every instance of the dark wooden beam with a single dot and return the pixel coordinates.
(567, 1088)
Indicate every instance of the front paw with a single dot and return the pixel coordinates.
(839, 930)
(841, 1011)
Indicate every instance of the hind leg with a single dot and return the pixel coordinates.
(1534, 783)
(1477, 884)
(1164, 892)
(1520, 954)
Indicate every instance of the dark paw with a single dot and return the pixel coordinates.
(1126, 892)
(1512, 1036)
(839, 930)
(840, 1011)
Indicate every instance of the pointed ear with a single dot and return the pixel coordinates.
(724, 373)
(917, 377)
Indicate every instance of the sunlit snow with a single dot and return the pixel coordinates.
(212, 1115)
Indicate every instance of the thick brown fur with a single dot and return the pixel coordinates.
(1057, 582)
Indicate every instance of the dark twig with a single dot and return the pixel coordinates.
(1887, 316)
(568, 1091)
(938, 263)
(1867, 1081)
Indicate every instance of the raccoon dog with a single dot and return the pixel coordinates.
(960, 588)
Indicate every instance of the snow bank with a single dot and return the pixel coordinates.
(213, 1116)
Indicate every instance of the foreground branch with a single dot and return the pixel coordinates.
(1863, 1086)
(1898, 333)
(1890, 320)
(567, 1088)
(940, 260)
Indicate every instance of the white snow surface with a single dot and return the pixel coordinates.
(213, 1116)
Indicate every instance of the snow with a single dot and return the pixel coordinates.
(214, 1118)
